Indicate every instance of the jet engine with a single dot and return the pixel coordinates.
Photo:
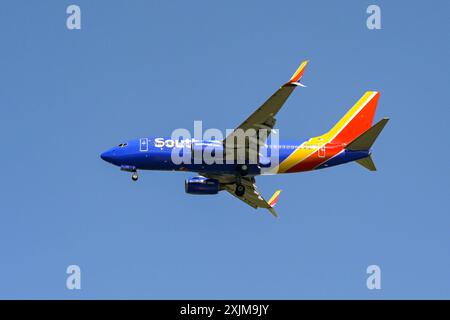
(201, 185)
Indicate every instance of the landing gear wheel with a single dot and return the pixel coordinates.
(240, 190)
(135, 176)
(242, 169)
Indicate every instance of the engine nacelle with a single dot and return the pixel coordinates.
(201, 185)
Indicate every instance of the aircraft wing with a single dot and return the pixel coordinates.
(264, 116)
(251, 196)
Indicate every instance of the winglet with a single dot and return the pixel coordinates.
(295, 79)
(274, 199)
(272, 202)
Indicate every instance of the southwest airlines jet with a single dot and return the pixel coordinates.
(351, 139)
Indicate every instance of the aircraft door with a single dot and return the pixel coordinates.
(143, 144)
(322, 152)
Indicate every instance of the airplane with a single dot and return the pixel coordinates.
(350, 139)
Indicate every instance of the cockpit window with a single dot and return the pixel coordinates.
(122, 145)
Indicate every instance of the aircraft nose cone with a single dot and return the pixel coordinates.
(107, 156)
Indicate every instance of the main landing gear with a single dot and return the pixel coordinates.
(240, 190)
(242, 170)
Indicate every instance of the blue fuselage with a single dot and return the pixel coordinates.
(156, 154)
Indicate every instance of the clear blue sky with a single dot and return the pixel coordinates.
(143, 68)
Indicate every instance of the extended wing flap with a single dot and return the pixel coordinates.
(252, 197)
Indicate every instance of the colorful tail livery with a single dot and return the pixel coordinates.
(351, 139)
(321, 151)
(357, 120)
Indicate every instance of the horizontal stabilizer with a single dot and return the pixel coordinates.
(365, 140)
(367, 163)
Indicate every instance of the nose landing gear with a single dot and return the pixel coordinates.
(131, 169)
